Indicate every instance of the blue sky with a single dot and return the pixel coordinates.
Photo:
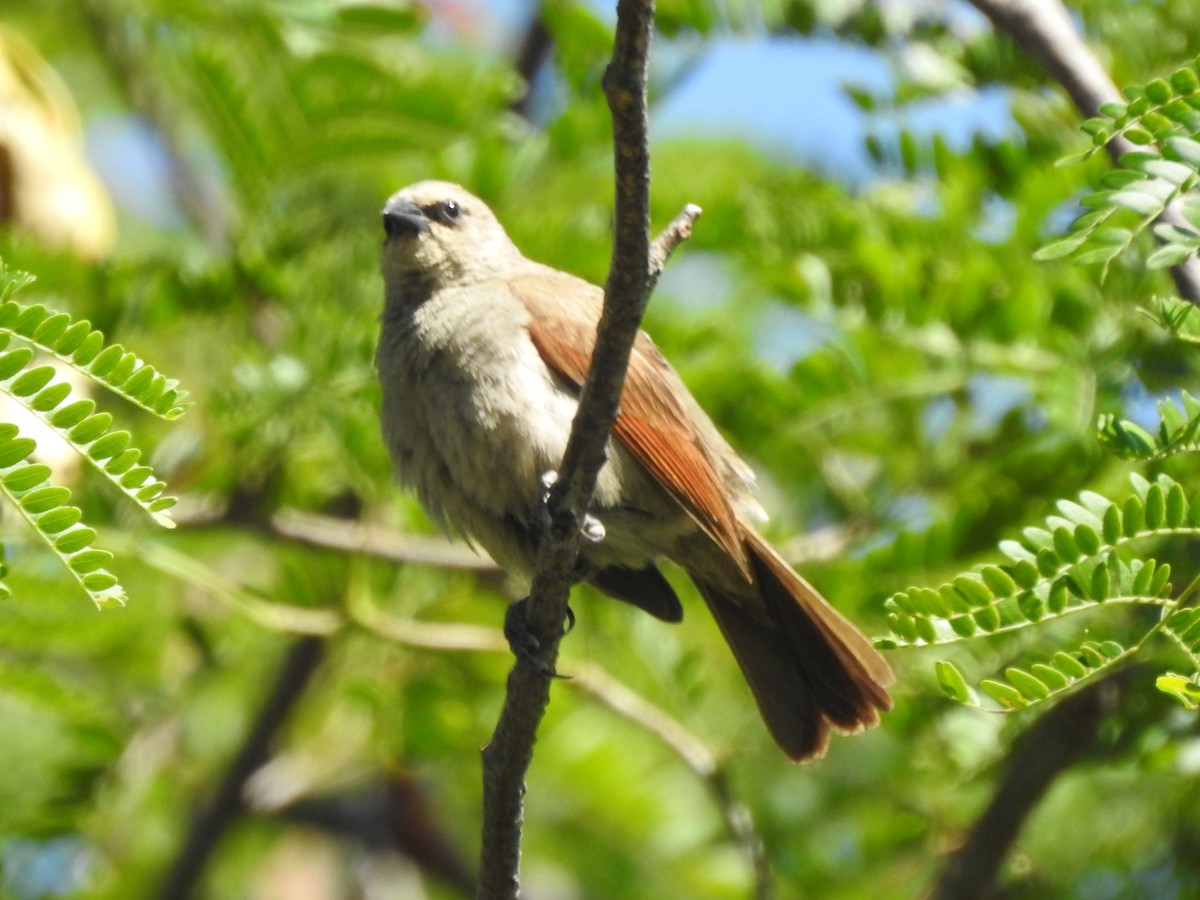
(784, 94)
(787, 94)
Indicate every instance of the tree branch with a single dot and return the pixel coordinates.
(1055, 742)
(210, 823)
(632, 276)
(1044, 30)
(350, 536)
(118, 42)
(535, 49)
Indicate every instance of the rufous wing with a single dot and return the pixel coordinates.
(651, 422)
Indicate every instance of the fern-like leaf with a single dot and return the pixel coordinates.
(1069, 564)
(1178, 431)
(1021, 688)
(44, 506)
(84, 349)
(1163, 119)
(1076, 560)
(26, 485)
(90, 433)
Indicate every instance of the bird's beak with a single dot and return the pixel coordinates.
(402, 218)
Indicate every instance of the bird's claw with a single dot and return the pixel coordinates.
(592, 529)
(522, 641)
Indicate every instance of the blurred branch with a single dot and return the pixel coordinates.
(210, 823)
(195, 195)
(532, 56)
(1044, 30)
(394, 813)
(596, 683)
(350, 536)
(275, 616)
(632, 274)
(695, 754)
(1059, 739)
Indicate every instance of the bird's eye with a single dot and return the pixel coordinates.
(446, 213)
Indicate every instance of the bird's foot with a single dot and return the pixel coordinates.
(524, 643)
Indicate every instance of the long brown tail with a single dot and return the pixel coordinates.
(809, 668)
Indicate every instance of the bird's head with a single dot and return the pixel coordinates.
(438, 232)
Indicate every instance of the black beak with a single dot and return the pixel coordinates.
(403, 218)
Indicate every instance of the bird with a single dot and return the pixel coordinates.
(481, 358)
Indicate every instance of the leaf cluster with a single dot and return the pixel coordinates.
(1162, 119)
(27, 485)
(1076, 561)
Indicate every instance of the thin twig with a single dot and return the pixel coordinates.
(323, 532)
(1044, 30)
(507, 756)
(349, 536)
(210, 823)
(596, 683)
(672, 236)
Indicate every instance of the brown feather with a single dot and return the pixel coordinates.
(652, 425)
(808, 668)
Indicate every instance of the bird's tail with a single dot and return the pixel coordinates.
(808, 667)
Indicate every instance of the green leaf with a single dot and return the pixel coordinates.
(43, 499)
(72, 414)
(50, 397)
(1004, 694)
(59, 519)
(1171, 255)
(987, 618)
(1101, 583)
(1158, 91)
(15, 450)
(1062, 247)
(1183, 81)
(89, 560)
(1135, 201)
(1178, 686)
(1186, 150)
(952, 682)
(24, 478)
(1027, 684)
(109, 445)
(1051, 677)
(52, 328)
(1155, 507)
(90, 428)
(998, 581)
(1132, 516)
(1087, 540)
(14, 361)
(1069, 665)
(74, 540)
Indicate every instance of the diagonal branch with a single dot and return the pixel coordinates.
(211, 821)
(1058, 740)
(1044, 30)
(631, 278)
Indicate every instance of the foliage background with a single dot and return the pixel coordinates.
(910, 383)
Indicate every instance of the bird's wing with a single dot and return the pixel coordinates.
(652, 423)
